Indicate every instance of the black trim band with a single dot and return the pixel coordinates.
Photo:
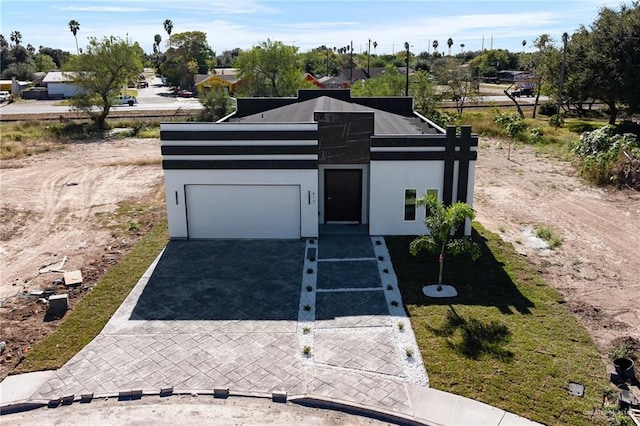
(238, 150)
(418, 156)
(238, 164)
(238, 135)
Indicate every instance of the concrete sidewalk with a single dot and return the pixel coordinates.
(243, 318)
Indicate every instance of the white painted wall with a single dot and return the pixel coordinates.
(66, 89)
(175, 181)
(388, 181)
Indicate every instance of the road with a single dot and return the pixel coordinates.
(156, 97)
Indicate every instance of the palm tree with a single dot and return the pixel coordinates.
(156, 40)
(74, 27)
(168, 27)
(461, 47)
(375, 45)
(441, 222)
(15, 37)
(435, 47)
(450, 43)
(524, 43)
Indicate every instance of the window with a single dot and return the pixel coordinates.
(429, 192)
(410, 204)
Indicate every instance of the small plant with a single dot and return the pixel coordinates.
(385, 270)
(309, 271)
(394, 303)
(556, 120)
(309, 288)
(502, 229)
(307, 308)
(134, 226)
(389, 287)
(546, 234)
(400, 326)
(306, 350)
(378, 242)
(312, 259)
(409, 352)
(306, 330)
(380, 257)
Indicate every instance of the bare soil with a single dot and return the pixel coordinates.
(82, 202)
(597, 267)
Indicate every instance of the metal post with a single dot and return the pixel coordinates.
(406, 85)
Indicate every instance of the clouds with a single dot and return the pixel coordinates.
(306, 24)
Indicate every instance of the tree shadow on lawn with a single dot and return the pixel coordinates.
(476, 338)
(483, 282)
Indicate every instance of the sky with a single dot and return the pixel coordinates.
(477, 24)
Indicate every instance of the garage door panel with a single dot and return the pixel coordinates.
(243, 211)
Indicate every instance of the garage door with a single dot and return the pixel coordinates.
(243, 211)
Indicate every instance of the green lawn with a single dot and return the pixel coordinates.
(507, 339)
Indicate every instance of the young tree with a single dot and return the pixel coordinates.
(389, 83)
(423, 90)
(100, 72)
(442, 222)
(74, 27)
(450, 43)
(270, 69)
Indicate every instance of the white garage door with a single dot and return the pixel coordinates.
(243, 211)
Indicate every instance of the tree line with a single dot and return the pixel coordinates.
(595, 64)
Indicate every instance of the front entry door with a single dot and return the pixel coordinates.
(343, 195)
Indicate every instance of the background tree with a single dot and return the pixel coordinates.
(101, 71)
(320, 61)
(435, 47)
(228, 58)
(450, 43)
(168, 27)
(74, 27)
(389, 83)
(269, 69)
(448, 72)
(15, 37)
(423, 90)
(524, 43)
(442, 222)
(216, 105)
(156, 42)
(188, 55)
(44, 63)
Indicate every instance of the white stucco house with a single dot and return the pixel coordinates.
(60, 84)
(286, 167)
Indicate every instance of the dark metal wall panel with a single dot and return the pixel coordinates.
(344, 137)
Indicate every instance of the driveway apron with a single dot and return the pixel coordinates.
(315, 317)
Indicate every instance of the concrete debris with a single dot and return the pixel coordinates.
(72, 278)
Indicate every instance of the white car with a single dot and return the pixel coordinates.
(126, 100)
(4, 95)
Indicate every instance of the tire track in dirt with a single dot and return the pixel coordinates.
(597, 268)
(63, 220)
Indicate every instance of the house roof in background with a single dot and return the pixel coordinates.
(386, 123)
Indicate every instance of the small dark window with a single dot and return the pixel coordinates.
(410, 204)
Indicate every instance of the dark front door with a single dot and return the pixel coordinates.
(343, 195)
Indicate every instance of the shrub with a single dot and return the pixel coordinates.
(556, 120)
(548, 108)
(598, 151)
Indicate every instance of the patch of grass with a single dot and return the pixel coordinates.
(547, 234)
(90, 315)
(505, 340)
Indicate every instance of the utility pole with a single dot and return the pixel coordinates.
(406, 84)
(369, 59)
(351, 64)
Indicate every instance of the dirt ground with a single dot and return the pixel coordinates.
(597, 267)
(64, 204)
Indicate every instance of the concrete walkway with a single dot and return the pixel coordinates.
(231, 318)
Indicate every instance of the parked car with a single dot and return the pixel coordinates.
(142, 84)
(184, 93)
(126, 100)
(4, 95)
(526, 91)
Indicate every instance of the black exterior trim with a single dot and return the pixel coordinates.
(238, 164)
(409, 142)
(238, 150)
(238, 135)
(420, 156)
